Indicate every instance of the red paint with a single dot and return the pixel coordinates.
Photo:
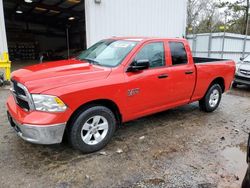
(77, 83)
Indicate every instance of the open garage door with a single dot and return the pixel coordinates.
(44, 29)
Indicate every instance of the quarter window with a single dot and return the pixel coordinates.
(154, 52)
(178, 53)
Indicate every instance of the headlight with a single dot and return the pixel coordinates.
(48, 103)
(237, 67)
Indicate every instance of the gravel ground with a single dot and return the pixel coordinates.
(182, 147)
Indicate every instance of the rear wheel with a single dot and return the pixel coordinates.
(212, 98)
(92, 129)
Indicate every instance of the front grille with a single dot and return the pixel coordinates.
(245, 72)
(17, 89)
(22, 103)
(21, 95)
(242, 78)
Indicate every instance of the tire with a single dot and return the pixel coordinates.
(212, 99)
(246, 180)
(234, 85)
(92, 129)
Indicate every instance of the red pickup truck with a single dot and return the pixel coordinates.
(114, 81)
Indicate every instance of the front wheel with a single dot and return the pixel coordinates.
(92, 129)
(212, 98)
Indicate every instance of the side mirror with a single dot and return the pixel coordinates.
(138, 65)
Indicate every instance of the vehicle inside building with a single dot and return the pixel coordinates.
(44, 30)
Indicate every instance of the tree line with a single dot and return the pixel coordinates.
(205, 16)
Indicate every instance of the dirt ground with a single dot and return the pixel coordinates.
(180, 148)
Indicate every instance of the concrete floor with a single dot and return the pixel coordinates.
(183, 147)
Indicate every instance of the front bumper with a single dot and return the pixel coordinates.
(242, 80)
(35, 126)
(49, 134)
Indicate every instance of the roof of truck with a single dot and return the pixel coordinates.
(139, 39)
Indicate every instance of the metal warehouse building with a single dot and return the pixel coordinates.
(162, 18)
(37, 26)
(3, 40)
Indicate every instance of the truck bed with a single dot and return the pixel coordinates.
(208, 69)
(206, 60)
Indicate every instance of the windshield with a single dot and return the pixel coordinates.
(247, 59)
(108, 53)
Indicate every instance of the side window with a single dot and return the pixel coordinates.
(154, 52)
(178, 53)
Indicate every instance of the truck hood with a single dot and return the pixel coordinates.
(45, 76)
(245, 66)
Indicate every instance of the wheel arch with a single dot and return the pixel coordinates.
(102, 102)
(220, 81)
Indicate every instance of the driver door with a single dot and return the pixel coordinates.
(147, 89)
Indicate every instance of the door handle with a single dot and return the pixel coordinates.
(189, 72)
(162, 76)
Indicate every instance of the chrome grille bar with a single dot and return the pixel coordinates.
(27, 97)
(246, 72)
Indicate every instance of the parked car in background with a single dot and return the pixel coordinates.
(242, 74)
(114, 81)
(246, 181)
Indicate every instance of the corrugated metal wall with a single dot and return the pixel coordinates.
(160, 18)
(211, 45)
(3, 41)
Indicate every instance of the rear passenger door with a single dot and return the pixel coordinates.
(181, 73)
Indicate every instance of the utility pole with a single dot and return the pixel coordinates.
(224, 35)
(246, 29)
(67, 40)
(247, 16)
